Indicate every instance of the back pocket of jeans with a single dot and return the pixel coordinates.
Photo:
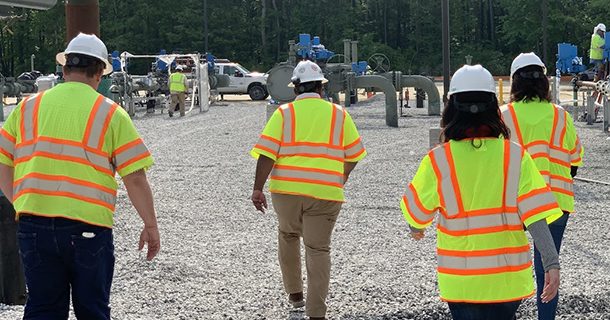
(90, 250)
(28, 250)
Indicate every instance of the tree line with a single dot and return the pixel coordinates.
(256, 32)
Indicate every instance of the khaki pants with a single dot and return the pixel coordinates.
(176, 96)
(314, 220)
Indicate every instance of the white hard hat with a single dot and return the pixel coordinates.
(601, 27)
(89, 45)
(179, 67)
(524, 60)
(472, 78)
(306, 71)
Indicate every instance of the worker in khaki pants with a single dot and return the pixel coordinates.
(309, 147)
(178, 88)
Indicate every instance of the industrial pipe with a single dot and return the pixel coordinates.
(434, 101)
(375, 81)
(82, 16)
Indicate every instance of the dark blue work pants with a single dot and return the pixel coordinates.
(62, 256)
(484, 311)
(546, 311)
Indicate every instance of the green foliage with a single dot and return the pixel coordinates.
(408, 32)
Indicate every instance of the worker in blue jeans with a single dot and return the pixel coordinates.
(557, 227)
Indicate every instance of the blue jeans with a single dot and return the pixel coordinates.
(484, 311)
(61, 255)
(546, 311)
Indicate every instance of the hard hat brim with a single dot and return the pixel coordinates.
(61, 59)
(291, 85)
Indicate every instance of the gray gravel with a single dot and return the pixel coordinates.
(218, 257)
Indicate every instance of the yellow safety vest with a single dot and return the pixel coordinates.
(484, 197)
(177, 82)
(66, 155)
(309, 140)
(548, 134)
(595, 51)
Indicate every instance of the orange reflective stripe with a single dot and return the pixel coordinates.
(483, 253)
(7, 144)
(454, 180)
(336, 126)
(532, 193)
(98, 122)
(29, 118)
(490, 301)
(136, 159)
(311, 181)
(422, 215)
(515, 123)
(64, 194)
(439, 178)
(539, 209)
(8, 136)
(474, 272)
(274, 152)
(22, 123)
(66, 179)
(480, 230)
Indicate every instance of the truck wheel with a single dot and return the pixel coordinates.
(257, 92)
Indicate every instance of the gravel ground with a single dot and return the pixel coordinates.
(218, 258)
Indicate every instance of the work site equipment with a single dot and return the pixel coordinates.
(346, 76)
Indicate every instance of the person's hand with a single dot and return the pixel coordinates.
(150, 236)
(551, 285)
(259, 200)
(417, 235)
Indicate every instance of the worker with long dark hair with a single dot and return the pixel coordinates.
(485, 188)
(547, 133)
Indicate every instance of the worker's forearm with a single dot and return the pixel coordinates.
(140, 194)
(6, 181)
(347, 169)
(264, 166)
(544, 243)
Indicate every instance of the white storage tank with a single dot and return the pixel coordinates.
(46, 82)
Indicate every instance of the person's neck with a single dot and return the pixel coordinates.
(82, 78)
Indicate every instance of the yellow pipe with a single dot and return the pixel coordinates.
(501, 91)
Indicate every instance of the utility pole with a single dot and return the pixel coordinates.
(446, 65)
(544, 40)
(205, 23)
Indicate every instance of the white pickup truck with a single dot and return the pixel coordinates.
(242, 80)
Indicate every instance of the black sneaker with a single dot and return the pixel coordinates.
(296, 299)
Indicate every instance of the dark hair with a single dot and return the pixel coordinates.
(312, 86)
(459, 125)
(527, 86)
(83, 64)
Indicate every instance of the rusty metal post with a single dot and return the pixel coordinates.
(82, 16)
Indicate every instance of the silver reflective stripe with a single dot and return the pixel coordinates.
(335, 136)
(484, 262)
(63, 150)
(561, 123)
(449, 193)
(536, 201)
(349, 153)
(268, 144)
(307, 175)
(6, 144)
(288, 122)
(513, 174)
(414, 208)
(126, 155)
(97, 127)
(481, 222)
(560, 184)
(321, 150)
(510, 122)
(65, 186)
(539, 149)
(560, 156)
(576, 155)
(28, 117)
